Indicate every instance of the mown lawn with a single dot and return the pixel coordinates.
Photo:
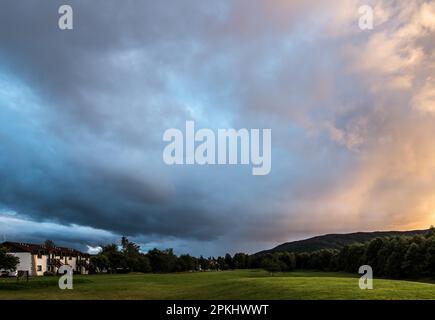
(238, 284)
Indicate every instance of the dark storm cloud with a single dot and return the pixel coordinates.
(82, 114)
(86, 94)
(72, 66)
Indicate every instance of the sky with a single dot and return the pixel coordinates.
(83, 112)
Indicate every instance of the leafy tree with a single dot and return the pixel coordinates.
(203, 263)
(133, 258)
(115, 257)
(186, 263)
(99, 263)
(429, 260)
(142, 264)
(334, 264)
(222, 264)
(271, 264)
(229, 261)
(351, 257)
(413, 261)
(382, 257)
(288, 261)
(49, 244)
(7, 261)
(326, 259)
(303, 260)
(393, 265)
(372, 252)
(241, 261)
(431, 232)
(162, 261)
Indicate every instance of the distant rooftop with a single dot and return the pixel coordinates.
(41, 249)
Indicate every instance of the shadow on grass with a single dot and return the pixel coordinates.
(34, 283)
(324, 274)
(311, 274)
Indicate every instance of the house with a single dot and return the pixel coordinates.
(38, 259)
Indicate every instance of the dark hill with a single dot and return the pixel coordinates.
(337, 241)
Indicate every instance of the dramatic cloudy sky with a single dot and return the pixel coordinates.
(82, 114)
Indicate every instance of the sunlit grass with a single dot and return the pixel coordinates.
(238, 284)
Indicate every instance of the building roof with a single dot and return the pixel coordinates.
(41, 249)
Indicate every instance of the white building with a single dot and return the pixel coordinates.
(37, 259)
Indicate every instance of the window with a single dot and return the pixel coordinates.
(39, 255)
(39, 268)
(70, 258)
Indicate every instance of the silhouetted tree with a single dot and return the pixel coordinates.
(229, 261)
(240, 261)
(162, 261)
(186, 263)
(7, 261)
(413, 263)
(99, 262)
(49, 244)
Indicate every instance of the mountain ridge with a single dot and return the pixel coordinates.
(337, 240)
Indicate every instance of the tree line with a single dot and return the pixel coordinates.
(129, 258)
(393, 257)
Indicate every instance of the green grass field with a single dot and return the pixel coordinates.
(239, 284)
